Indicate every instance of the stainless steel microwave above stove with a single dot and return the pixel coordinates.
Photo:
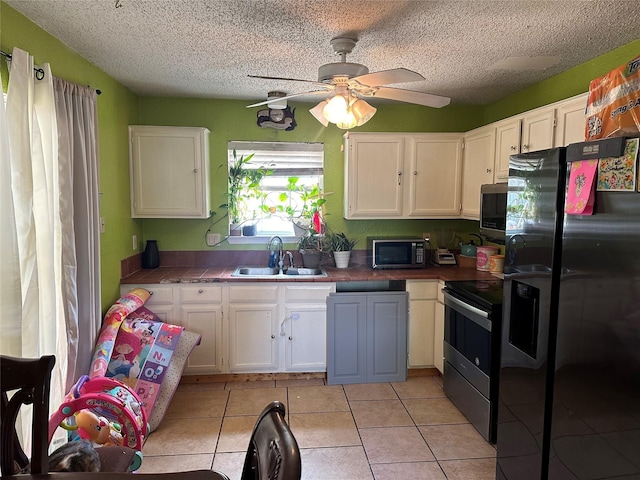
(396, 252)
(493, 211)
(472, 329)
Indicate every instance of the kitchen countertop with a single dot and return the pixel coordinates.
(360, 273)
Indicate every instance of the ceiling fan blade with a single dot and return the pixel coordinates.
(293, 95)
(386, 77)
(410, 96)
(290, 80)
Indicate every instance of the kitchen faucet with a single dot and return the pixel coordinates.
(290, 255)
(273, 240)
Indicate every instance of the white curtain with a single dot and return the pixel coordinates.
(49, 256)
(76, 111)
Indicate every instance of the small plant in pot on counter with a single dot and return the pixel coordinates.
(341, 247)
(312, 246)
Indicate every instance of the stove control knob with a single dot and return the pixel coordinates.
(477, 362)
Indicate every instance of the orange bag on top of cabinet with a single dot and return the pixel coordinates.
(613, 107)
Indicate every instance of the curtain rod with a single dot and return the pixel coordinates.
(39, 71)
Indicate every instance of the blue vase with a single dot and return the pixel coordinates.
(151, 256)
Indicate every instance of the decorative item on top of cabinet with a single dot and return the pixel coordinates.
(169, 172)
(402, 175)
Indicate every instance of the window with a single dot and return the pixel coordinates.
(274, 187)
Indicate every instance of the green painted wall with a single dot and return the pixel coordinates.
(117, 108)
(565, 85)
(231, 120)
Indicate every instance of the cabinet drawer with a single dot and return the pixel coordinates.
(160, 295)
(252, 293)
(422, 290)
(306, 294)
(201, 294)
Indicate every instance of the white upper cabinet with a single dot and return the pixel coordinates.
(169, 172)
(402, 175)
(537, 130)
(435, 168)
(374, 169)
(507, 144)
(479, 155)
(570, 115)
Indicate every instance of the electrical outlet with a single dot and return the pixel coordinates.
(135, 242)
(426, 236)
(102, 227)
(213, 239)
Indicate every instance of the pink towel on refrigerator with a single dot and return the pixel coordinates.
(581, 193)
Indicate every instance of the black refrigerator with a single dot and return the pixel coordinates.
(569, 400)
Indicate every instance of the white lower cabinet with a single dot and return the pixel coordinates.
(248, 327)
(304, 327)
(201, 313)
(197, 308)
(438, 331)
(253, 327)
(421, 331)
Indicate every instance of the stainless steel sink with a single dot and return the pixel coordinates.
(313, 272)
(255, 272)
(262, 272)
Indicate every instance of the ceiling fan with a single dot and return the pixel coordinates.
(348, 84)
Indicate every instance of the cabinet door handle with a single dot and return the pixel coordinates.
(415, 172)
(290, 338)
(200, 290)
(513, 148)
(525, 147)
(399, 175)
(273, 336)
(488, 170)
(195, 170)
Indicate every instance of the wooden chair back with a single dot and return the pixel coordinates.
(24, 382)
(273, 452)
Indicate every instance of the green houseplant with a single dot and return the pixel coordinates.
(341, 246)
(243, 186)
(311, 247)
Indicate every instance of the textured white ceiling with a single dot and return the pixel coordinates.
(206, 48)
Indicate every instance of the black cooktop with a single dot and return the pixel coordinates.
(485, 294)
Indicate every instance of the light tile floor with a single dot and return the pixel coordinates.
(381, 431)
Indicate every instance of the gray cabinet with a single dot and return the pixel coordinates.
(367, 337)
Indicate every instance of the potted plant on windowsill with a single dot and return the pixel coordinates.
(311, 247)
(341, 246)
(243, 185)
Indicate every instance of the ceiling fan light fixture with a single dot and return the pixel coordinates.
(362, 111)
(336, 109)
(317, 113)
(348, 122)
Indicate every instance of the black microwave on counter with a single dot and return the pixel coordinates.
(493, 211)
(395, 252)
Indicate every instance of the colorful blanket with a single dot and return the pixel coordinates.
(135, 347)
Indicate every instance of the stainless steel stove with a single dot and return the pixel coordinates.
(473, 324)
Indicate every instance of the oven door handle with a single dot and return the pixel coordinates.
(466, 306)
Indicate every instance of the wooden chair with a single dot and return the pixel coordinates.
(29, 379)
(273, 452)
